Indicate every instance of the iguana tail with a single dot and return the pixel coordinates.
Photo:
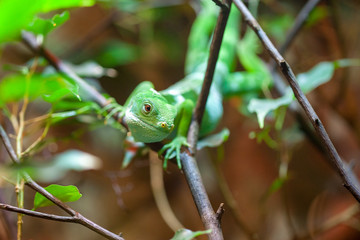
(200, 38)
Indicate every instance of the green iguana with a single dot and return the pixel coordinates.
(153, 116)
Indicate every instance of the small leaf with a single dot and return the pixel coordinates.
(214, 140)
(64, 193)
(44, 26)
(262, 107)
(308, 81)
(264, 136)
(186, 234)
(276, 185)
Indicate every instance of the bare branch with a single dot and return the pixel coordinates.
(303, 101)
(37, 214)
(6, 140)
(299, 22)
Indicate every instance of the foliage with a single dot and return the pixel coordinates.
(26, 15)
(186, 234)
(64, 193)
(308, 81)
(247, 84)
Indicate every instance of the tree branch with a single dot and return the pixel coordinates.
(303, 101)
(191, 171)
(31, 183)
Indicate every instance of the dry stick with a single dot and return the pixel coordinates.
(314, 119)
(231, 202)
(189, 165)
(77, 217)
(299, 22)
(37, 214)
(159, 193)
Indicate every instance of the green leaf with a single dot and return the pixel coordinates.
(44, 26)
(186, 234)
(214, 140)
(64, 193)
(15, 15)
(275, 186)
(308, 81)
(263, 107)
(51, 87)
(59, 116)
(264, 136)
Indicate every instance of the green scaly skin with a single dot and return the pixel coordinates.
(154, 116)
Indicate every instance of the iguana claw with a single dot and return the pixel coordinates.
(173, 150)
(113, 107)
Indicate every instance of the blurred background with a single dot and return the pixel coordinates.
(147, 40)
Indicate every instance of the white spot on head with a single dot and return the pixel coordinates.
(154, 91)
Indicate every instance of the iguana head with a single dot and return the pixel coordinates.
(150, 117)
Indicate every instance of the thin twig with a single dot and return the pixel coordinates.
(158, 189)
(220, 211)
(334, 157)
(299, 22)
(31, 183)
(37, 214)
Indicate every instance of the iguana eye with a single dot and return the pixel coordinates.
(147, 108)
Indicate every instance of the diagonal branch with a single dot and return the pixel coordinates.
(340, 167)
(31, 183)
(279, 84)
(299, 22)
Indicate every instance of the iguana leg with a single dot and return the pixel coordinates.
(173, 148)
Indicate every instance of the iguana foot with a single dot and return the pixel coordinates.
(173, 150)
(111, 109)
